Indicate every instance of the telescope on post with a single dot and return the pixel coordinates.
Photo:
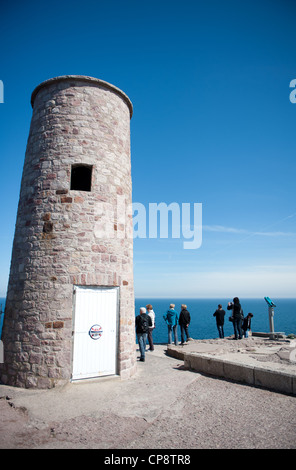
(271, 306)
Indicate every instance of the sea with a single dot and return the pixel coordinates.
(203, 324)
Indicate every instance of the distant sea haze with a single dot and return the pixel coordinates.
(203, 324)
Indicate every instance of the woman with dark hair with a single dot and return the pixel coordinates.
(237, 317)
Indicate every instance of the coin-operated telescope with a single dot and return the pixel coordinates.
(271, 306)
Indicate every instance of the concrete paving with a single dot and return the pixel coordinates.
(236, 360)
(110, 394)
(164, 405)
(255, 360)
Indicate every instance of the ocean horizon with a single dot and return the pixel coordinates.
(203, 324)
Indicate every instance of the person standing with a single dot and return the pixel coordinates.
(184, 321)
(171, 318)
(151, 314)
(220, 314)
(143, 322)
(247, 325)
(237, 316)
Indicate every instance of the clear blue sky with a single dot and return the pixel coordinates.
(213, 123)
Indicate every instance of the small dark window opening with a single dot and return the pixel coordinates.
(81, 177)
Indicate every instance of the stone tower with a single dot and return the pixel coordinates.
(73, 230)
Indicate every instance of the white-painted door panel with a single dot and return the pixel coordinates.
(95, 332)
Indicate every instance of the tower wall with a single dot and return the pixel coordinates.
(66, 237)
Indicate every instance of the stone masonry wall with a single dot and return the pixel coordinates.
(67, 237)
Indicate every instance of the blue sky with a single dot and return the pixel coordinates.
(212, 124)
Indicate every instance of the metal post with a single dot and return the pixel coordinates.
(271, 306)
(271, 315)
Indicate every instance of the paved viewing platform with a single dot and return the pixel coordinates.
(257, 360)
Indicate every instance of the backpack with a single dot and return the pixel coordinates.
(143, 325)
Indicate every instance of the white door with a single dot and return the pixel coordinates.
(95, 332)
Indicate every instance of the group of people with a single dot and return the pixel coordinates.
(172, 320)
(145, 324)
(241, 324)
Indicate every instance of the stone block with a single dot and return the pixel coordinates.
(212, 366)
(175, 352)
(274, 380)
(58, 324)
(206, 365)
(239, 372)
(191, 361)
(294, 385)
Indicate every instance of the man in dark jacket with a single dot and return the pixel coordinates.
(237, 315)
(143, 322)
(220, 314)
(184, 321)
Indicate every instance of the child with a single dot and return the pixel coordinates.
(247, 324)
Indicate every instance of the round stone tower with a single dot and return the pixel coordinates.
(70, 300)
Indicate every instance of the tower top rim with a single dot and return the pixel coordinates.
(83, 78)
